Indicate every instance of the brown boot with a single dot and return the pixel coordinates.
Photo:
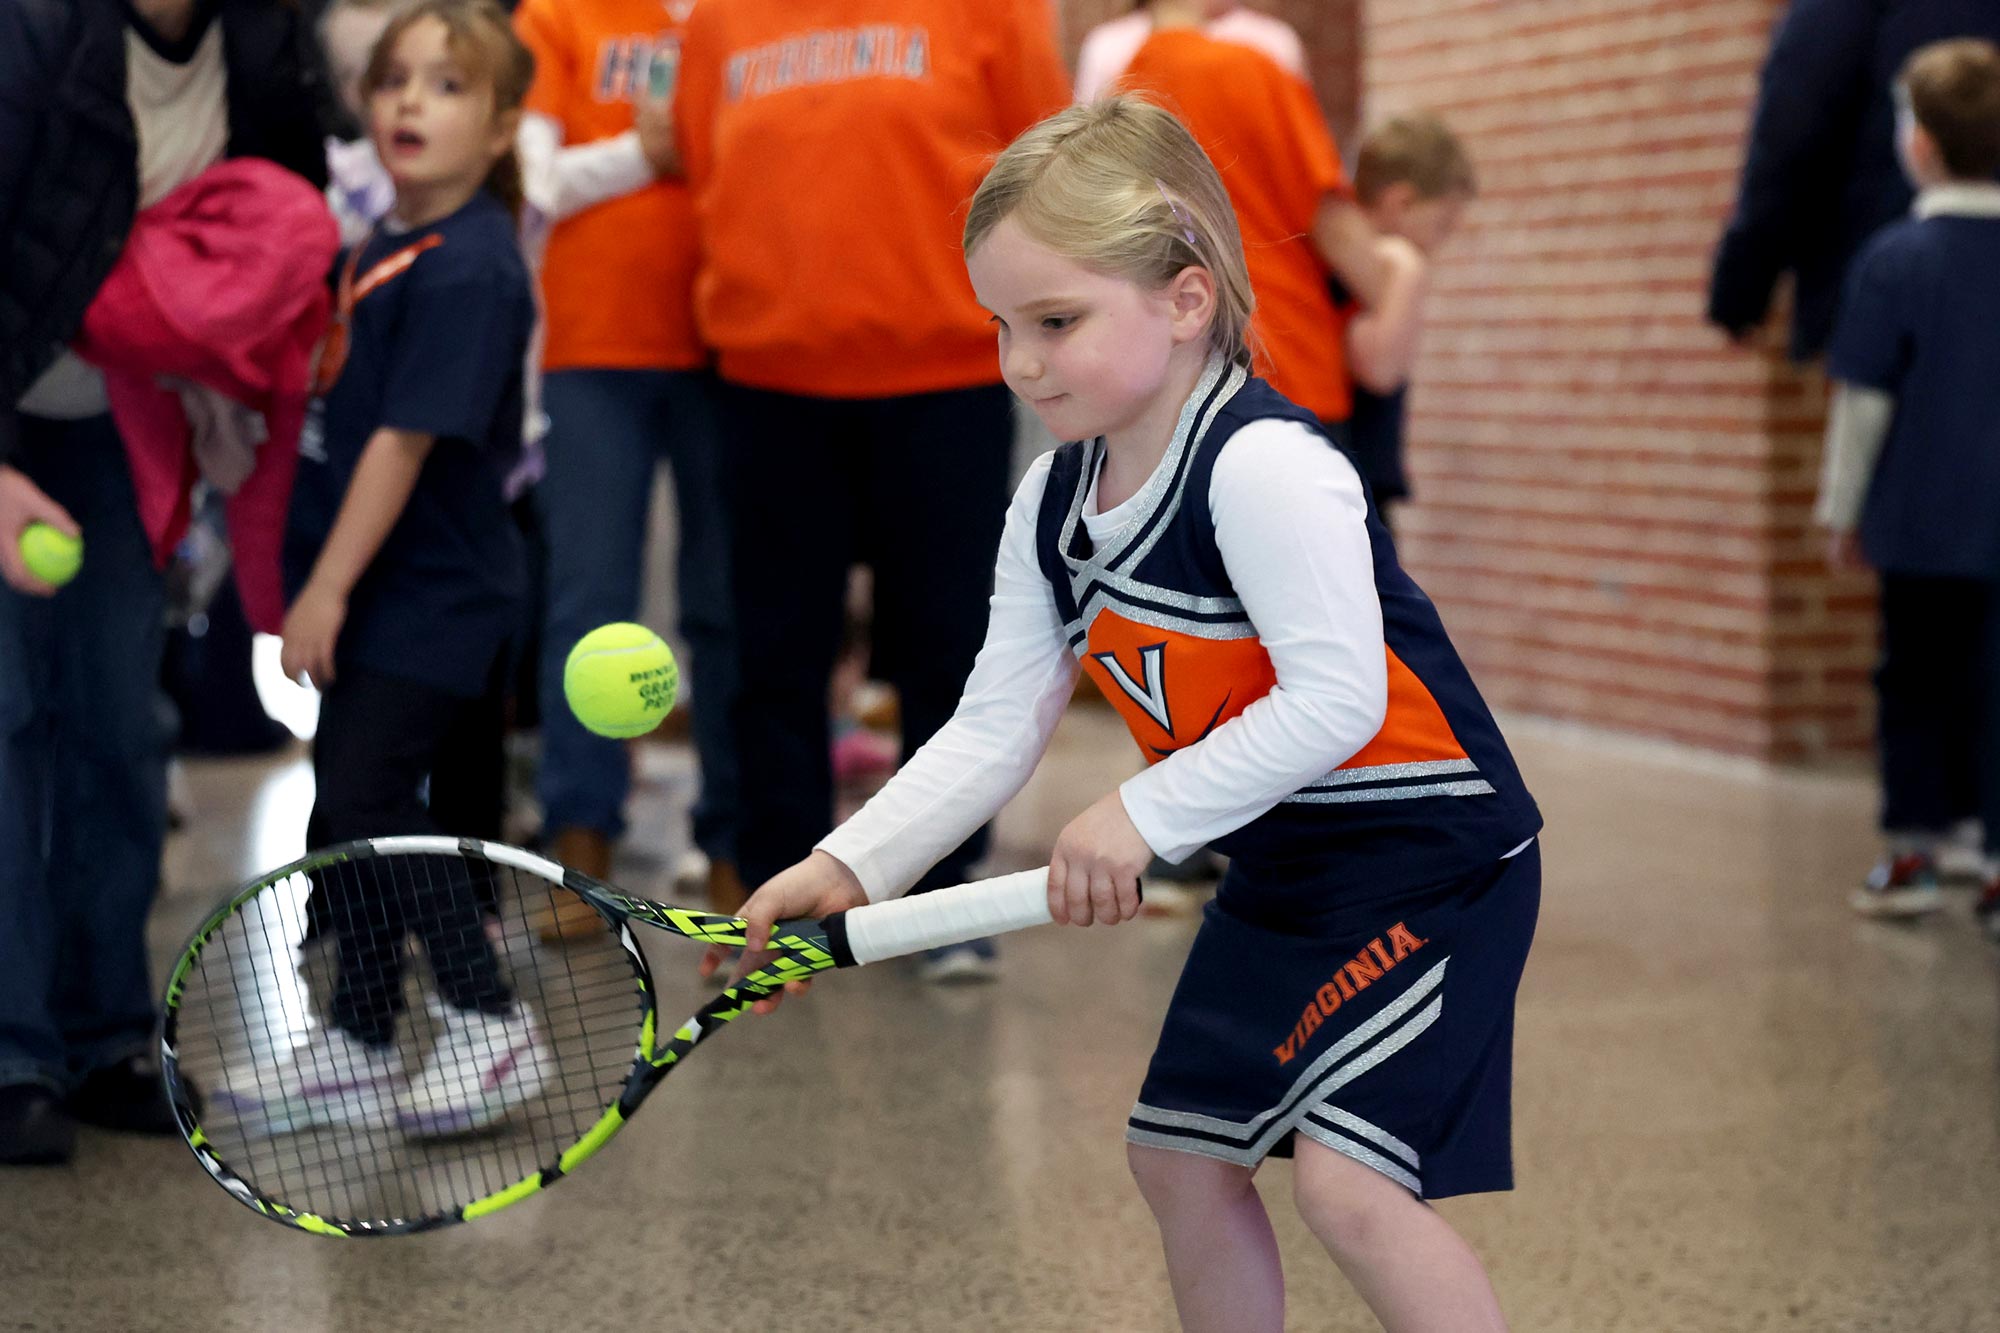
(726, 893)
(564, 916)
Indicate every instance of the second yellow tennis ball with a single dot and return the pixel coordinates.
(50, 555)
(620, 680)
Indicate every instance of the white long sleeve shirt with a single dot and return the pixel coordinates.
(1289, 521)
(560, 179)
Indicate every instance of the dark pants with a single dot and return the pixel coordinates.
(380, 741)
(1939, 686)
(916, 487)
(608, 431)
(83, 753)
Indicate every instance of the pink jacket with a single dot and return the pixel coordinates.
(222, 285)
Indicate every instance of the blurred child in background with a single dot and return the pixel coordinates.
(403, 567)
(1414, 181)
(1911, 481)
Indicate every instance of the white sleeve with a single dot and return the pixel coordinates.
(559, 180)
(1857, 425)
(978, 760)
(1289, 519)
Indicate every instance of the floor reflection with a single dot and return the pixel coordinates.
(1737, 1107)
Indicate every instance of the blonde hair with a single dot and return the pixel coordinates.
(479, 33)
(1121, 187)
(1419, 149)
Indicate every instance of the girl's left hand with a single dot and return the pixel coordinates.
(312, 628)
(1094, 871)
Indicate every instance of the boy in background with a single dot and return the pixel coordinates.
(1911, 479)
(1414, 181)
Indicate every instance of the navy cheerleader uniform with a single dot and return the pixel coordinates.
(1354, 979)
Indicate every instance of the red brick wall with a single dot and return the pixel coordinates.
(1613, 506)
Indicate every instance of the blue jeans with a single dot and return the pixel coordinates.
(608, 430)
(84, 737)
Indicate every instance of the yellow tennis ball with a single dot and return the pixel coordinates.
(51, 556)
(620, 680)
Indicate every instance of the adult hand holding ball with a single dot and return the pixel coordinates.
(51, 555)
(620, 680)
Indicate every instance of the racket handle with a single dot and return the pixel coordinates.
(945, 916)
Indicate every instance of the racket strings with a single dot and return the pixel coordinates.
(386, 1039)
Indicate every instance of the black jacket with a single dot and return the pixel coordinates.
(1821, 174)
(69, 156)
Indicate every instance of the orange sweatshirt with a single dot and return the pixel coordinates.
(832, 147)
(617, 277)
(1278, 161)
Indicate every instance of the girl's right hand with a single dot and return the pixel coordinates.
(818, 886)
(311, 632)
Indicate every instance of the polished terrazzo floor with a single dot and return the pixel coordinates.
(1737, 1107)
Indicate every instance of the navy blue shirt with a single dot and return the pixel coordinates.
(1921, 320)
(1374, 434)
(438, 347)
(1375, 442)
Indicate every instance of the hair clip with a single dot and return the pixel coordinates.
(1187, 226)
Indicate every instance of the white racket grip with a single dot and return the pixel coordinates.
(948, 916)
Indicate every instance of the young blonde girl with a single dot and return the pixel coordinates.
(1209, 557)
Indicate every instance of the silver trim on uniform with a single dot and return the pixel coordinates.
(1224, 380)
(1429, 768)
(1353, 794)
(1347, 1147)
(1362, 1129)
(1204, 629)
(1160, 495)
(1260, 1147)
(1334, 1054)
(1131, 587)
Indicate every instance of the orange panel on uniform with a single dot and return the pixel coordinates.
(1414, 730)
(1172, 689)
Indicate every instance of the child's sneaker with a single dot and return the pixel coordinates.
(1960, 858)
(334, 1079)
(1901, 886)
(482, 1067)
(1988, 909)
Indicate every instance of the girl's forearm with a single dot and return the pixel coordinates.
(1382, 338)
(376, 497)
(1348, 244)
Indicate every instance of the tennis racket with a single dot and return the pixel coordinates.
(375, 1040)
